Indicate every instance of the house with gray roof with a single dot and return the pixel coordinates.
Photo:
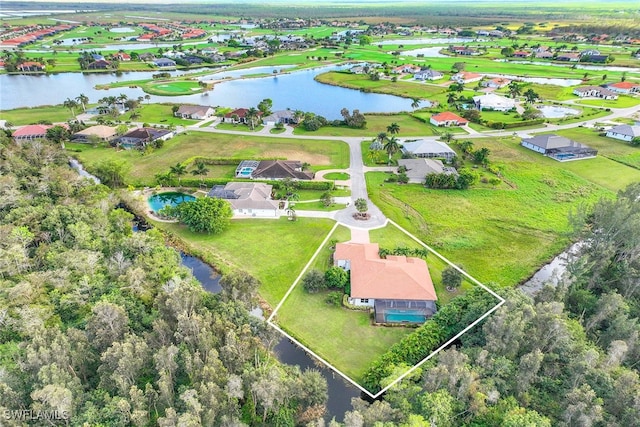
(195, 112)
(428, 148)
(595, 92)
(428, 74)
(248, 199)
(283, 116)
(558, 147)
(624, 132)
(418, 169)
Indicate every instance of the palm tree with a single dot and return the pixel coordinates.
(178, 170)
(201, 169)
(135, 114)
(147, 97)
(415, 103)
(83, 100)
(71, 105)
(446, 136)
(514, 89)
(531, 96)
(252, 116)
(451, 98)
(393, 128)
(391, 147)
(466, 146)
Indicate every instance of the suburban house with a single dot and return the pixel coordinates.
(283, 116)
(417, 169)
(464, 77)
(238, 115)
(409, 68)
(494, 102)
(544, 55)
(140, 137)
(446, 119)
(30, 66)
(122, 56)
(32, 132)
(558, 147)
(600, 59)
(196, 112)
(624, 132)
(273, 169)
(624, 87)
(521, 54)
(100, 132)
(247, 199)
(428, 74)
(164, 62)
(99, 64)
(462, 50)
(398, 288)
(496, 83)
(428, 148)
(570, 57)
(595, 92)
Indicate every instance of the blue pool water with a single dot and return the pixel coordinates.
(410, 316)
(161, 200)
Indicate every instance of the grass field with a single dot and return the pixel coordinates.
(158, 114)
(242, 246)
(173, 88)
(503, 235)
(622, 102)
(143, 168)
(376, 123)
(340, 176)
(26, 116)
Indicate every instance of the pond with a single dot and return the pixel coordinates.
(159, 201)
(122, 30)
(427, 52)
(556, 112)
(296, 91)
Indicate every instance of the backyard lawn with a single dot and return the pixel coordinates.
(377, 123)
(248, 245)
(142, 168)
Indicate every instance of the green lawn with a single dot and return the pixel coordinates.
(502, 235)
(377, 123)
(339, 176)
(238, 127)
(243, 246)
(623, 101)
(173, 88)
(26, 116)
(158, 114)
(143, 168)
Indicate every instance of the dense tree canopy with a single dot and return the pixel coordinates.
(203, 215)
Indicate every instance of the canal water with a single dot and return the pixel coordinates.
(550, 274)
(296, 90)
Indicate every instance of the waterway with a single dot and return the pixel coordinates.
(551, 273)
(296, 91)
(442, 41)
(579, 66)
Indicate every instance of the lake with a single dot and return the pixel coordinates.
(297, 91)
(443, 41)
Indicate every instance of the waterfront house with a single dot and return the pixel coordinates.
(568, 57)
(100, 64)
(164, 62)
(496, 83)
(447, 118)
(398, 288)
(493, 102)
(239, 115)
(30, 67)
(427, 148)
(558, 147)
(247, 199)
(624, 132)
(283, 116)
(195, 112)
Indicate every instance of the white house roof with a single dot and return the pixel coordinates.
(426, 146)
(491, 100)
(632, 131)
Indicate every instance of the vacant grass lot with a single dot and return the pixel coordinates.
(157, 114)
(361, 81)
(502, 235)
(622, 102)
(143, 168)
(27, 116)
(248, 245)
(376, 123)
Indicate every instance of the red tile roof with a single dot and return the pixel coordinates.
(449, 116)
(396, 277)
(624, 85)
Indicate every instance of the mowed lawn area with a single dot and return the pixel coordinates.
(344, 338)
(273, 251)
(503, 235)
(27, 116)
(377, 123)
(143, 167)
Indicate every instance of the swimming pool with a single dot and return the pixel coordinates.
(161, 200)
(408, 316)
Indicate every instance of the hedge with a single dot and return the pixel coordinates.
(224, 160)
(502, 125)
(209, 182)
(445, 324)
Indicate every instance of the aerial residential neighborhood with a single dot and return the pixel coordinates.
(296, 214)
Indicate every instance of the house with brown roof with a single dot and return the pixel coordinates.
(30, 67)
(101, 132)
(247, 199)
(447, 118)
(141, 137)
(281, 169)
(239, 115)
(196, 112)
(569, 57)
(398, 288)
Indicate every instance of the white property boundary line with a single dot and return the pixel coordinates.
(417, 365)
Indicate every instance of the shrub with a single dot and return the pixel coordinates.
(314, 281)
(334, 298)
(336, 278)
